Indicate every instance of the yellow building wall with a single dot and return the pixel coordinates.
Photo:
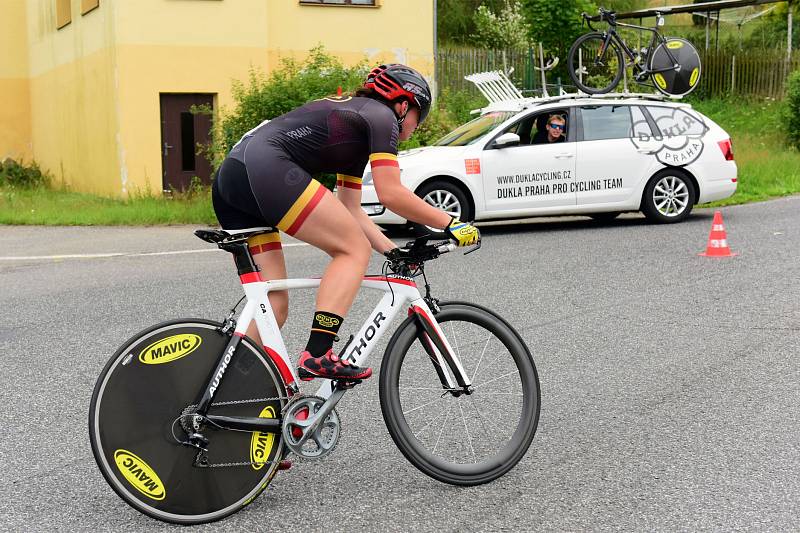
(73, 104)
(15, 111)
(95, 84)
(397, 31)
(178, 47)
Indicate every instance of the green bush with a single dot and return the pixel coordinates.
(15, 174)
(791, 110)
(452, 110)
(291, 85)
(295, 83)
(459, 104)
(436, 126)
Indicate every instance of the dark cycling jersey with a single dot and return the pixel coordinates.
(334, 135)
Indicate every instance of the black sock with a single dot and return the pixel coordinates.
(324, 328)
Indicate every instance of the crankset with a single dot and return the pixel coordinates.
(311, 426)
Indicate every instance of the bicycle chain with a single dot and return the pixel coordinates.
(295, 457)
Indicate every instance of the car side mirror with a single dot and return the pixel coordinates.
(506, 140)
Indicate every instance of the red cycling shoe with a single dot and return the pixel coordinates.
(329, 366)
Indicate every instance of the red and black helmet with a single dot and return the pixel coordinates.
(396, 81)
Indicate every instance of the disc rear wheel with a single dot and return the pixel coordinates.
(142, 408)
(684, 79)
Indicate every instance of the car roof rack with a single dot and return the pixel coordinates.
(495, 86)
(504, 96)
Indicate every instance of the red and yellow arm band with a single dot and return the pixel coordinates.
(264, 242)
(383, 159)
(350, 182)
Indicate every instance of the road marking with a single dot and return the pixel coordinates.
(117, 254)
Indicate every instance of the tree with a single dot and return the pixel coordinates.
(502, 31)
(556, 23)
(455, 21)
(507, 29)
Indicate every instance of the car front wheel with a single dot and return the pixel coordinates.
(446, 196)
(668, 197)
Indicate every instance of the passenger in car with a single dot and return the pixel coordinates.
(550, 129)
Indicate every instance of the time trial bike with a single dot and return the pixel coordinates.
(190, 419)
(598, 60)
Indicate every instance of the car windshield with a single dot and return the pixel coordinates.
(474, 129)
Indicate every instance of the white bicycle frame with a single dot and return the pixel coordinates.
(398, 291)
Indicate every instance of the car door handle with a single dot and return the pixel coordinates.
(564, 155)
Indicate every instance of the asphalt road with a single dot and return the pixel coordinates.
(670, 382)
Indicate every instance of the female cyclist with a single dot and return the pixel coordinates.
(266, 181)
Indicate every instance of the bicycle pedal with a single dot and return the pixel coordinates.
(344, 385)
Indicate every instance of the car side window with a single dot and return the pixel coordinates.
(606, 122)
(641, 127)
(521, 128)
(533, 128)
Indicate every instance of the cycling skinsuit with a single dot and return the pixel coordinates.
(266, 178)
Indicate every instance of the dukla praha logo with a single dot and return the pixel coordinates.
(139, 474)
(170, 349)
(679, 140)
(261, 443)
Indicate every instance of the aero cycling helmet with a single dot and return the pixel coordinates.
(396, 81)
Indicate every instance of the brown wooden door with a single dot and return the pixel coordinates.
(181, 132)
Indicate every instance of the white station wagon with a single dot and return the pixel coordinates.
(618, 154)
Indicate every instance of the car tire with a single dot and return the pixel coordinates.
(605, 217)
(668, 197)
(445, 196)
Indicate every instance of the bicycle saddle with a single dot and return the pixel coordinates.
(217, 236)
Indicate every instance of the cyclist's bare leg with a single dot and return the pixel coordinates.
(273, 266)
(331, 228)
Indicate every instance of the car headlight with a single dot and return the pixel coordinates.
(373, 209)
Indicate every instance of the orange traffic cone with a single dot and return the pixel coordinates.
(717, 239)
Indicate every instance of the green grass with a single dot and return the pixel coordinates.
(61, 208)
(768, 166)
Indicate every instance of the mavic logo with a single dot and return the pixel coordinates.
(261, 443)
(170, 349)
(139, 474)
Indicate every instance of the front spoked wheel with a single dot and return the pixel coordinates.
(467, 439)
(595, 68)
(141, 410)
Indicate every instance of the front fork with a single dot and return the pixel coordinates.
(445, 361)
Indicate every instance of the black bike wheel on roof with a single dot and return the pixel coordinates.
(593, 67)
(489, 431)
(141, 393)
(671, 82)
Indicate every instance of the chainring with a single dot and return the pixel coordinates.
(322, 440)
